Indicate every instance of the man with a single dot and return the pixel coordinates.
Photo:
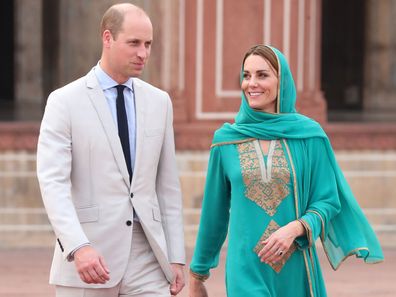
(107, 172)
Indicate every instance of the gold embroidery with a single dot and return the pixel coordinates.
(267, 195)
(231, 142)
(296, 199)
(308, 231)
(271, 228)
(321, 219)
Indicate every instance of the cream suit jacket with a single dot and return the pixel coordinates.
(85, 185)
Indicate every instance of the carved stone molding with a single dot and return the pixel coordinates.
(18, 136)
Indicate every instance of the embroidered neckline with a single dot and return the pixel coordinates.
(269, 185)
(265, 167)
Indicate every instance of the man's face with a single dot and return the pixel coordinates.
(130, 49)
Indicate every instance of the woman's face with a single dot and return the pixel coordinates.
(260, 84)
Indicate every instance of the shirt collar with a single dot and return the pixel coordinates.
(106, 82)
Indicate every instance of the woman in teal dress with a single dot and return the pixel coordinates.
(273, 186)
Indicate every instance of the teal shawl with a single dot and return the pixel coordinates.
(346, 234)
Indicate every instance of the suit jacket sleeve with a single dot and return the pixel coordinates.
(54, 162)
(169, 194)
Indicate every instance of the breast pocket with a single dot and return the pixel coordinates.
(156, 214)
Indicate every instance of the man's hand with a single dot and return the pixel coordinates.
(91, 266)
(179, 282)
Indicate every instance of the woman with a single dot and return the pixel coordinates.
(274, 186)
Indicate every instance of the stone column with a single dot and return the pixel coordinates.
(80, 45)
(81, 41)
(28, 60)
(380, 64)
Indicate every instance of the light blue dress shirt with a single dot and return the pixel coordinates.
(110, 92)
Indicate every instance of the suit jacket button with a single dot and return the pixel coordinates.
(131, 195)
(128, 223)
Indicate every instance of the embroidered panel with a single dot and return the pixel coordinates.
(271, 228)
(267, 195)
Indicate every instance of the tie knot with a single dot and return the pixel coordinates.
(120, 88)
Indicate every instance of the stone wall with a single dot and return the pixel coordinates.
(380, 74)
(195, 43)
(23, 221)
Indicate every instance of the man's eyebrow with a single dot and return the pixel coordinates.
(139, 40)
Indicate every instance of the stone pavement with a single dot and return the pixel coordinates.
(24, 273)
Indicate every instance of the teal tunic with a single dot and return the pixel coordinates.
(250, 196)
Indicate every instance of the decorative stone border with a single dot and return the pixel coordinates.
(198, 136)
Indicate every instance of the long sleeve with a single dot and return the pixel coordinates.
(214, 217)
(323, 200)
(54, 162)
(169, 193)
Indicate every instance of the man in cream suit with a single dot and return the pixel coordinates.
(107, 172)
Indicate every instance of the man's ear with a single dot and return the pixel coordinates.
(107, 37)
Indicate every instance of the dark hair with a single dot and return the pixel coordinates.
(265, 52)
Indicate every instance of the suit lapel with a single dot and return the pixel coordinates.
(140, 102)
(99, 102)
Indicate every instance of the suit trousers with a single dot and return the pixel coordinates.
(143, 277)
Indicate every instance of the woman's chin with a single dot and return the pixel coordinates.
(256, 107)
(261, 109)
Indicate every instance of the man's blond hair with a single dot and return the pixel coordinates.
(113, 18)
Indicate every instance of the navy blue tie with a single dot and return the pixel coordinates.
(123, 128)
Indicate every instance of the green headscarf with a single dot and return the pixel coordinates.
(349, 233)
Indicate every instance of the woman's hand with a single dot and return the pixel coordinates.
(196, 288)
(279, 242)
